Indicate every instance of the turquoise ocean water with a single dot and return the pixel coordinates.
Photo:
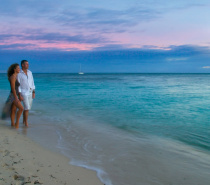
(100, 120)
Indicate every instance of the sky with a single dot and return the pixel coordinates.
(137, 36)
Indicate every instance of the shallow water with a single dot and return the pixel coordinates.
(116, 123)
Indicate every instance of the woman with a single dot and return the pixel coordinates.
(13, 101)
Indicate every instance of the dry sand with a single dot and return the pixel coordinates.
(23, 161)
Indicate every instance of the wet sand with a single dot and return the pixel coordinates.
(22, 161)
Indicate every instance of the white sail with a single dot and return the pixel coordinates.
(80, 70)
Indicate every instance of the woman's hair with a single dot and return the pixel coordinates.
(11, 69)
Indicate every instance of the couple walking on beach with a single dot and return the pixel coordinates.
(22, 89)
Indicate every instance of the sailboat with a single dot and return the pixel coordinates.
(80, 71)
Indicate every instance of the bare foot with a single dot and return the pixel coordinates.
(26, 124)
(16, 125)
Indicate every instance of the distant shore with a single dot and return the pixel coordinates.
(23, 161)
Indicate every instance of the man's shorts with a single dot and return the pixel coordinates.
(27, 101)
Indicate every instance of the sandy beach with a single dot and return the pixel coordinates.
(23, 161)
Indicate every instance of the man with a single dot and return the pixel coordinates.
(26, 89)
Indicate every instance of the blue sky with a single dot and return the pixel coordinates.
(106, 36)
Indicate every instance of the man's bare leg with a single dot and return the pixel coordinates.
(25, 117)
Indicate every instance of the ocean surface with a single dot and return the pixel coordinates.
(126, 127)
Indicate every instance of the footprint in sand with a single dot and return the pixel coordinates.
(37, 182)
(6, 153)
(5, 165)
(19, 177)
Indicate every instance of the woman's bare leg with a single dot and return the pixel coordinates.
(19, 112)
(13, 113)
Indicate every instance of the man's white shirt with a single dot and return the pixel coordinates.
(26, 82)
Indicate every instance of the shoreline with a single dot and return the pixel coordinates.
(23, 161)
(146, 160)
(26, 160)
